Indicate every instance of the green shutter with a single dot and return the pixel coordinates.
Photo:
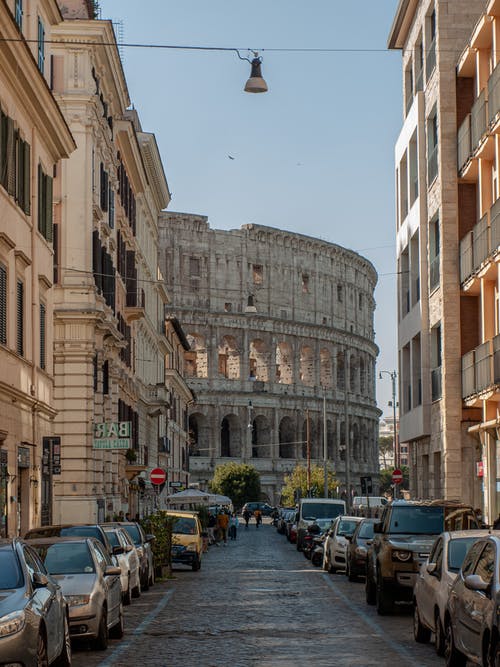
(41, 225)
(27, 178)
(48, 209)
(11, 158)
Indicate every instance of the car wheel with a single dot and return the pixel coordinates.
(350, 575)
(452, 656)
(64, 657)
(126, 595)
(41, 652)
(102, 639)
(439, 637)
(117, 630)
(384, 603)
(370, 591)
(136, 591)
(196, 564)
(421, 634)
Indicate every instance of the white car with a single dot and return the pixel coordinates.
(434, 581)
(128, 561)
(335, 547)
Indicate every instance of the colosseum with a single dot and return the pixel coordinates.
(280, 324)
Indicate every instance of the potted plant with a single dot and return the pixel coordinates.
(131, 455)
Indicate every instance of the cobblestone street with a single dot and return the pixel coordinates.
(258, 601)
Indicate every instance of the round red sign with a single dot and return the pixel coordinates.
(397, 476)
(158, 476)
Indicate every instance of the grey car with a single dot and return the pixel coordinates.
(142, 543)
(90, 583)
(33, 612)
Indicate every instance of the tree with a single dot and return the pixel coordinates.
(386, 480)
(297, 480)
(386, 449)
(239, 481)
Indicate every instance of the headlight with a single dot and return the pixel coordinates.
(76, 600)
(191, 547)
(402, 556)
(12, 623)
(360, 551)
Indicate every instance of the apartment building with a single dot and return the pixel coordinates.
(434, 314)
(34, 138)
(478, 148)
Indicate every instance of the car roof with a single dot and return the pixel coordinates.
(457, 534)
(181, 513)
(59, 540)
(454, 504)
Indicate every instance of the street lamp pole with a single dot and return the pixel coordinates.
(325, 448)
(347, 433)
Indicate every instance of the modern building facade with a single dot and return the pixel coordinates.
(277, 322)
(436, 319)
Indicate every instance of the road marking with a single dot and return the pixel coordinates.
(124, 645)
(373, 624)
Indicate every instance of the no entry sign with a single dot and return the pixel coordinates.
(397, 476)
(158, 476)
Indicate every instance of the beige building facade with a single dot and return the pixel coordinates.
(435, 317)
(275, 321)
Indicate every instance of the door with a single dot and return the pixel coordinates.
(479, 609)
(112, 585)
(429, 584)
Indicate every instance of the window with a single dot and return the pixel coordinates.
(436, 388)
(434, 253)
(105, 377)
(340, 296)
(228, 307)
(305, 283)
(104, 189)
(257, 274)
(20, 317)
(45, 205)
(3, 305)
(18, 14)
(15, 163)
(360, 301)
(42, 336)
(485, 567)
(194, 267)
(41, 45)
(431, 45)
(111, 212)
(432, 147)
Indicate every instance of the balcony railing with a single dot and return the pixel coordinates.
(494, 95)
(136, 299)
(419, 81)
(495, 226)
(466, 269)
(496, 359)
(436, 385)
(482, 363)
(430, 61)
(464, 147)
(432, 165)
(434, 276)
(479, 120)
(468, 375)
(480, 242)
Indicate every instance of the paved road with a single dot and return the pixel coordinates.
(258, 602)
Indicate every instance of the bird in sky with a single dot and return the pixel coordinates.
(230, 157)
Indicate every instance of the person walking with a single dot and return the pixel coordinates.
(258, 517)
(233, 526)
(212, 524)
(222, 524)
(246, 516)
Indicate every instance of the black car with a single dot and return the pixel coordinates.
(357, 549)
(265, 508)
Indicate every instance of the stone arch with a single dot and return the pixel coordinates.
(196, 364)
(259, 360)
(355, 453)
(284, 363)
(340, 371)
(325, 360)
(331, 445)
(306, 363)
(229, 360)
(261, 438)
(362, 375)
(230, 436)
(199, 435)
(287, 438)
(353, 373)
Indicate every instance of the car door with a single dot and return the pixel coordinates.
(480, 604)
(428, 583)
(111, 584)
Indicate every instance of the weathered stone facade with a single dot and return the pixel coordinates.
(275, 321)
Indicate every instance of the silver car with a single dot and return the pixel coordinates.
(128, 561)
(90, 583)
(33, 612)
(142, 543)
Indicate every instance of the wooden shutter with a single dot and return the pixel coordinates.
(42, 336)
(111, 216)
(19, 170)
(20, 317)
(3, 305)
(27, 178)
(97, 260)
(11, 158)
(48, 208)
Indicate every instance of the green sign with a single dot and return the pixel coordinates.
(112, 435)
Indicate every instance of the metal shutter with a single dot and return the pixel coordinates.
(20, 317)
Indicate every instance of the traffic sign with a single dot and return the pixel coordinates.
(397, 476)
(158, 476)
(175, 485)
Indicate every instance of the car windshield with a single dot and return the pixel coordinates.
(113, 538)
(417, 520)
(66, 558)
(184, 526)
(457, 549)
(366, 530)
(311, 511)
(347, 527)
(82, 531)
(134, 533)
(11, 575)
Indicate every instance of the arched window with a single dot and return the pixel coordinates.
(287, 438)
(230, 437)
(307, 366)
(325, 368)
(199, 435)
(229, 358)
(259, 360)
(196, 357)
(284, 363)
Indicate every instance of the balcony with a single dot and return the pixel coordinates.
(468, 375)
(480, 242)
(466, 264)
(419, 81)
(135, 307)
(495, 226)
(464, 147)
(479, 120)
(494, 96)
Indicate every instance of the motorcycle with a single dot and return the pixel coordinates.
(317, 552)
(308, 544)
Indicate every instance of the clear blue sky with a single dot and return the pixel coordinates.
(313, 155)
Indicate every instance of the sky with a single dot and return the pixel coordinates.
(314, 155)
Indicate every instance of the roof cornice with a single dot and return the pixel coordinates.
(401, 24)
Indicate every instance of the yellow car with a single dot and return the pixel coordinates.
(187, 541)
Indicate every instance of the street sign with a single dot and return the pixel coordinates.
(112, 435)
(158, 476)
(397, 476)
(175, 485)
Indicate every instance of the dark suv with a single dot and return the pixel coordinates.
(265, 508)
(402, 541)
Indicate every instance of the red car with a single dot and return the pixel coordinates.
(292, 533)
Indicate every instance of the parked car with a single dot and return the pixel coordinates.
(472, 622)
(357, 549)
(187, 541)
(90, 583)
(34, 626)
(312, 509)
(265, 508)
(80, 530)
(142, 543)
(336, 541)
(282, 517)
(402, 542)
(128, 561)
(368, 503)
(434, 581)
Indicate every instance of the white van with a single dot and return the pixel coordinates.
(311, 509)
(361, 502)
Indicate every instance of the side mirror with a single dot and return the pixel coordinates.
(118, 550)
(369, 543)
(150, 538)
(431, 568)
(377, 527)
(475, 583)
(112, 571)
(128, 548)
(39, 580)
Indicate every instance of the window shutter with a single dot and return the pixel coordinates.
(101, 188)
(19, 170)
(48, 208)
(3, 305)
(42, 336)
(20, 318)
(27, 178)
(105, 378)
(40, 200)
(96, 379)
(56, 257)
(11, 158)
(97, 260)
(3, 149)
(111, 217)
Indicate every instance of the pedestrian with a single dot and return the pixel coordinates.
(246, 516)
(233, 526)
(212, 523)
(121, 516)
(258, 517)
(127, 517)
(222, 524)
(496, 523)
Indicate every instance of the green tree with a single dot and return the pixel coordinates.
(386, 480)
(297, 479)
(239, 481)
(386, 449)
